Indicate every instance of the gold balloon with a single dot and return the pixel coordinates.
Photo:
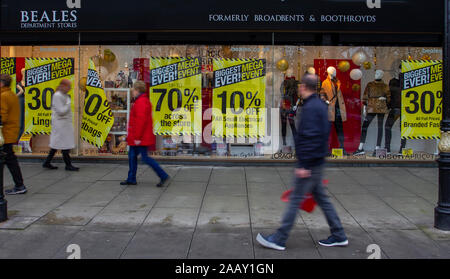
(108, 55)
(356, 87)
(282, 65)
(367, 65)
(344, 66)
(82, 83)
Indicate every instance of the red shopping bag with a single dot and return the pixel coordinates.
(308, 204)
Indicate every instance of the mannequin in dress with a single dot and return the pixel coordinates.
(331, 89)
(375, 99)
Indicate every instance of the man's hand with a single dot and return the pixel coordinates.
(302, 173)
(137, 142)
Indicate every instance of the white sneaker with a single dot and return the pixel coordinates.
(268, 244)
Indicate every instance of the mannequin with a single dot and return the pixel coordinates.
(288, 101)
(395, 111)
(337, 114)
(375, 99)
(20, 92)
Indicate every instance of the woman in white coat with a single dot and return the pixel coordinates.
(62, 136)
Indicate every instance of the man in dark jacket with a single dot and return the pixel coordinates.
(140, 135)
(311, 145)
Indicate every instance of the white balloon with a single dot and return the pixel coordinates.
(359, 58)
(356, 74)
(103, 72)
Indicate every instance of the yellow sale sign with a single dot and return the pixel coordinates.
(239, 98)
(175, 94)
(421, 99)
(97, 115)
(8, 66)
(42, 77)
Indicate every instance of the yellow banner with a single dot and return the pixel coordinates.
(8, 66)
(239, 98)
(175, 94)
(421, 99)
(42, 77)
(97, 115)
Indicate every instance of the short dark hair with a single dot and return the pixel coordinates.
(310, 81)
(6, 79)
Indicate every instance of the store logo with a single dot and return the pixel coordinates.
(374, 4)
(73, 4)
(54, 19)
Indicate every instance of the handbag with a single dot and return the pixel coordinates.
(308, 204)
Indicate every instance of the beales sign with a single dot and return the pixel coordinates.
(412, 16)
(54, 19)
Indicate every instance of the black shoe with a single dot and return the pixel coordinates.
(344, 152)
(126, 182)
(359, 152)
(72, 168)
(16, 191)
(163, 181)
(333, 241)
(49, 166)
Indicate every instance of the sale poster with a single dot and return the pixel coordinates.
(239, 98)
(42, 77)
(175, 94)
(421, 82)
(97, 115)
(8, 66)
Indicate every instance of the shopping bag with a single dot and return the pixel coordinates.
(308, 204)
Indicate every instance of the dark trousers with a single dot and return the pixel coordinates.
(66, 157)
(394, 114)
(13, 165)
(133, 154)
(366, 123)
(285, 117)
(313, 185)
(339, 126)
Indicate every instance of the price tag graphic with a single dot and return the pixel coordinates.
(42, 77)
(239, 97)
(421, 83)
(175, 94)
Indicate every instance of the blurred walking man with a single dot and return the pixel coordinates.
(311, 145)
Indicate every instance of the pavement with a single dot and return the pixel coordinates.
(216, 212)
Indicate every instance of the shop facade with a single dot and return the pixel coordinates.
(232, 95)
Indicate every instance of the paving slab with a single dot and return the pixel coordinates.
(227, 189)
(97, 245)
(65, 187)
(127, 202)
(372, 213)
(201, 174)
(117, 220)
(415, 209)
(188, 188)
(159, 242)
(239, 245)
(228, 176)
(37, 242)
(212, 220)
(225, 203)
(180, 201)
(17, 222)
(70, 215)
(262, 175)
(407, 244)
(179, 217)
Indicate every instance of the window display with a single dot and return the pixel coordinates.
(253, 88)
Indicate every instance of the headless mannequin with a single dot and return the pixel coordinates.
(394, 113)
(288, 102)
(20, 92)
(375, 97)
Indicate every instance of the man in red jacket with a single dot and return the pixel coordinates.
(140, 135)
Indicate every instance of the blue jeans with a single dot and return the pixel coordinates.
(133, 163)
(303, 186)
